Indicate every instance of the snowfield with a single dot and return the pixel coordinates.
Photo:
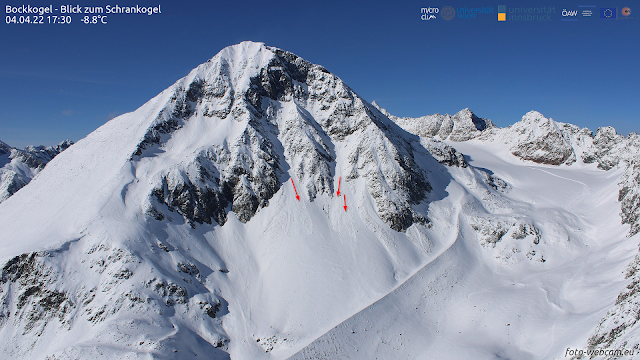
(174, 231)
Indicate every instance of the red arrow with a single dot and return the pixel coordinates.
(339, 179)
(294, 189)
(345, 202)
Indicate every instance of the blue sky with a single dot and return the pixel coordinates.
(64, 81)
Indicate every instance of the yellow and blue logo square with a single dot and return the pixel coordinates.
(502, 13)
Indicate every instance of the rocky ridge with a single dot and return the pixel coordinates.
(462, 126)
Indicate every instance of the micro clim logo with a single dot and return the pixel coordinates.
(428, 13)
(608, 13)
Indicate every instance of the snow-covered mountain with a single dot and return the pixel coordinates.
(18, 167)
(260, 209)
(544, 141)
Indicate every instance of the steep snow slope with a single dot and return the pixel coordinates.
(18, 167)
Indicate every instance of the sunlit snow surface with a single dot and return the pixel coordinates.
(517, 260)
(491, 303)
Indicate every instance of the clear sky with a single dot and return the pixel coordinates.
(62, 81)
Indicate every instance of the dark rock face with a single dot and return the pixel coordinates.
(548, 149)
(277, 80)
(444, 153)
(154, 134)
(170, 292)
(245, 177)
(20, 267)
(297, 67)
(466, 126)
(39, 156)
(195, 204)
(629, 196)
(613, 329)
(538, 139)
(605, 150)
(4, 148)
(27, 277)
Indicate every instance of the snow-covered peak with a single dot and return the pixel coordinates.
(244, 50)
(466, 125)
(234, 64)
(534, 116)
(535, 124)
(607, 135)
